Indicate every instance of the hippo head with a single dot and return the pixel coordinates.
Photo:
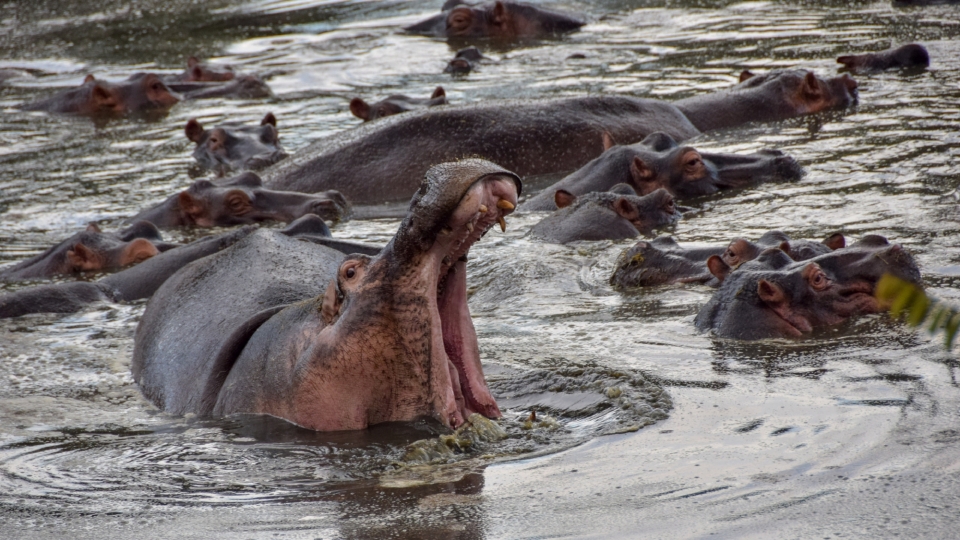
(911, 56)
(406, 309)
(200, 72)
(741, 250)
(774, 296)
(242, 200)
(661, 261)
(507, 21)
(803, 92)
(104, 98)
(228, 148)
(147, 92)
(395, 104)
(612, 215)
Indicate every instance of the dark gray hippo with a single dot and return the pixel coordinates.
(662, 260)
(774, 296)
(911, 56)
(232, 147)
(144, 93)
(142, 280)
(608, 215)
(241, 200)
(329, 342)
(395, 104)
(659, 162)
(240, 87)
(92, 251)
(504, 21)
(384, 161)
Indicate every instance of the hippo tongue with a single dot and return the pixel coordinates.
(460, 343)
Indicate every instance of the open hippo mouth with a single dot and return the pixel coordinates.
(487, 202)
(454, 339)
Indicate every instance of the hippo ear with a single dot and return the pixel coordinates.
(82, 258)
(138, 251)
(785, 247)
(770, 292)
(718, 268)
(745, 74)
(331, 303)
(640, 172)
(269, 119)
(101, 96)
(268, 134)
(89, 79)
(564, 198)
(93, 227)
(192, 62)
(608, 141)
(196, 72)
(626, 209)
(811, 86)
(835, 241)
(360, 109)
(194, 130)
(438, 93)
(190, 206)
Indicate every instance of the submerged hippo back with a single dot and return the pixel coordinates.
(182, 344)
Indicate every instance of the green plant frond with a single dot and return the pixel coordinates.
(910, 302)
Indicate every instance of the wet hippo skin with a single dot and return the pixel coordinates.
(198, 71)
(774, 296)
(240, 87)
(90, 251)
(141, 93)
(662, 260)
(383, 161)
(368, 340)
(241, 200)
(231, 147)
(395, 104)
(496, 20)
(659, 162)
(909, 56)
(609, 215)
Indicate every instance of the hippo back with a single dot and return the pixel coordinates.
(195, 325)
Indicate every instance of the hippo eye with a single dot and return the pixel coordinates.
(693, 163)
(383, 112)
(157, 87)
(819, 281)
(350, 272)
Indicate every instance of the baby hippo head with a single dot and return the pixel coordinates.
(231, 147)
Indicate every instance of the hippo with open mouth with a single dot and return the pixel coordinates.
(328, 342)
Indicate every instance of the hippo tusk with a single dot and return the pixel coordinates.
(501, 221)
(470, 226)
(446, 230)
(504, 204)
(483, 209)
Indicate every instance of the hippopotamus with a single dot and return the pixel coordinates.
(92, 251)
(383, 161)
(505, 21)
(774, 296)
(141, 93)
(240, 87)
(609, 215)
(659, 162)
(769, 97)
(395, 104)
(330, 342)
(908, 56)
(142, 280)
(664, 261)
(241, 200)
(465, 61)
(229, 147)
(198, 71)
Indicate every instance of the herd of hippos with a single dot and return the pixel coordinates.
(334, 335)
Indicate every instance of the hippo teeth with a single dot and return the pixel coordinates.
(502, 222)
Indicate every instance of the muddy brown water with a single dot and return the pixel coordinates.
(854, 432)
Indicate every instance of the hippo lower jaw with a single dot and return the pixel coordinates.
(454, 349)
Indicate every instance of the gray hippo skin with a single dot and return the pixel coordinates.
(241, 200)
(366, 340)
(198, 71)
(664, 261)
(141, 93)
(91, 251)
(395, 104)
(659, 162)
(910, 56)
(504, 21)
(385, 160)
(241, 87)
(608, 215)
(230, 147)
(774, 296)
